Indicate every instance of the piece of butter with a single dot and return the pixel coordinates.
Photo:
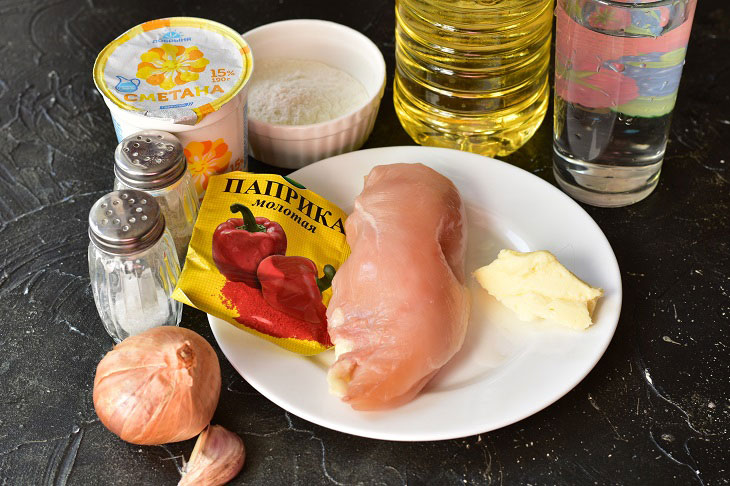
(536, 285)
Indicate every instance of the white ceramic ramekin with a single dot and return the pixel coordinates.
(294, 146)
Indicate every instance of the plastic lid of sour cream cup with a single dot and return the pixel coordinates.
(175, 70)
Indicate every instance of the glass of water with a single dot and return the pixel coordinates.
(617, 69)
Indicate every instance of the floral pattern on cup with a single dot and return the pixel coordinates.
(608, 19)
(636, 75)
(595, 90)
(169, 65)
(205, 159)
(638, 22)
(238, 164)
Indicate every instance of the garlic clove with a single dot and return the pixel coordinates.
(217, 457)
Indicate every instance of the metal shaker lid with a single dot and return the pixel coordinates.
(124, 222)
(149, 160)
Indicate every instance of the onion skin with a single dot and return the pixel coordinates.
(217, 457)
(159, 386)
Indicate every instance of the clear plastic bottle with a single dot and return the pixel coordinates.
(472, 75)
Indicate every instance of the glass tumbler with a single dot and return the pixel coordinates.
(618, 64)
(132, 264)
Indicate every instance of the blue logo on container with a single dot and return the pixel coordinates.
(172, 36)
(127, 85)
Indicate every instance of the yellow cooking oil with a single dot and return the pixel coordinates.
(472, 75)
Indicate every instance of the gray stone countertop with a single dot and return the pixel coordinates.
(655, 410)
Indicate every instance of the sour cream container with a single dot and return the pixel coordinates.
(186, 76)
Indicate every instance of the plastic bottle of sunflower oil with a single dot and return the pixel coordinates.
(472, 74)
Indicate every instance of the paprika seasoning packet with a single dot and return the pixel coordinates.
(262, 257)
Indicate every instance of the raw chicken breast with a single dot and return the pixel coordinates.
(399, 308)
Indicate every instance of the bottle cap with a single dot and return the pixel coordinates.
(149, 160)
(123, 222)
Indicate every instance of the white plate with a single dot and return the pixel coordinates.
(507, 369)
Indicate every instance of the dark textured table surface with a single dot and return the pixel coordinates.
(655, 410)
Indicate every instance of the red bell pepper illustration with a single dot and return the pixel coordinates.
(290, 284)
(240, 244)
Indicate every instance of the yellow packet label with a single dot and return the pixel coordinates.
(262, 255)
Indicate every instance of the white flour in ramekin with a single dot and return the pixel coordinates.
(301, 92)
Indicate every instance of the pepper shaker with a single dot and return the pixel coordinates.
(133, 264)
(153, 161)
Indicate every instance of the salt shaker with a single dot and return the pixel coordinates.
(153, 161)
(132, 263)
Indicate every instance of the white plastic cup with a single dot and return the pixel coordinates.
(169, 72)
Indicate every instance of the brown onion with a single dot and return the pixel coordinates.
(159, 386)
(217, 457)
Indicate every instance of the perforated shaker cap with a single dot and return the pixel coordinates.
(149, 160)
(123, 222)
